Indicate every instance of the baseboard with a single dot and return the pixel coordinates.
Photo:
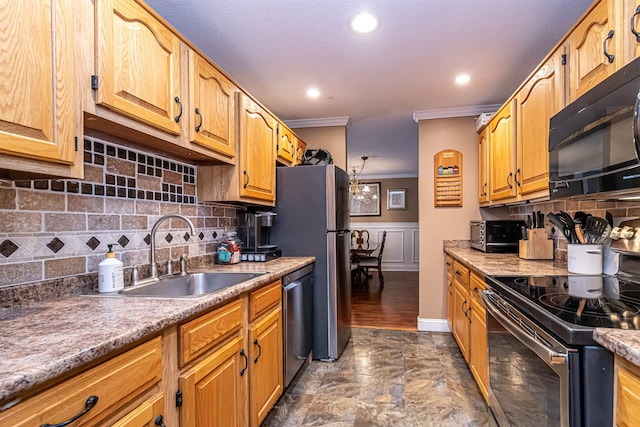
(433, 325)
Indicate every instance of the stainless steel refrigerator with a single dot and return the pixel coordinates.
(312, 203)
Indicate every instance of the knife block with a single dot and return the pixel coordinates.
(537, 246)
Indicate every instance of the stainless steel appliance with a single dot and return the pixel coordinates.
(313, 220)
(593, 142)
(297, 302)
(496, 235)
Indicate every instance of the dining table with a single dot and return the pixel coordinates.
(359, 274)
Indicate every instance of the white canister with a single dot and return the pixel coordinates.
(585, 259)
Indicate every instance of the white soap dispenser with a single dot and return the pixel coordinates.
(110, 275)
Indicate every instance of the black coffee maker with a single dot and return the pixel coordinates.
(253, 231)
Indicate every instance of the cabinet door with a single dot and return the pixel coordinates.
(483, 166)
(301, 147)
(588, 61)
(214, 392)
(37, 111)
(212, 116)
(258, 133)
(460, 319)
(149, 414)
(138, 64)
(630, 27)
(502, 153)
(286, 145)
(450, 300)
(627, 382)
(538, 100)
(267, 367)
(478, 352)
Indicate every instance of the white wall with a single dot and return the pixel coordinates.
(401, 249)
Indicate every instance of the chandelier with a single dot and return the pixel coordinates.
(360, 192)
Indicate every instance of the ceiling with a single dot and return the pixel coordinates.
(276, 49)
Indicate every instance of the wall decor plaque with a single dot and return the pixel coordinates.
(447, 178)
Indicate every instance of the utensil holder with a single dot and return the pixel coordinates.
(537, 246)
(584, 259)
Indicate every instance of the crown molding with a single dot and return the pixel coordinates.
(320, 122)
(443, 113)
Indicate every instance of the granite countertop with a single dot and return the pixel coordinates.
(47, 339)
(506, 264)
(624, 343)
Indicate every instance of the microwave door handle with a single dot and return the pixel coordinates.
(636, 125)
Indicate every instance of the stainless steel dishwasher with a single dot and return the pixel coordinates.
(297, 302)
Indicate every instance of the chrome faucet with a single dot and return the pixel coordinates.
(154, 229)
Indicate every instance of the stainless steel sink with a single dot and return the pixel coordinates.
(191, 285)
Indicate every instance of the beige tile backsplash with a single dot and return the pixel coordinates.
(59, 228)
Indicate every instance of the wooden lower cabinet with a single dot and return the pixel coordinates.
(149, 414)
(266, 379)
(466, 316)
(215, 390)
(627, 392)
(115, 383)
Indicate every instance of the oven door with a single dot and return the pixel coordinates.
(531, 374)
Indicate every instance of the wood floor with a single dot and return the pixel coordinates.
(393, 307)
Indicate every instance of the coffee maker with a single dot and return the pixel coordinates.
(253, 232)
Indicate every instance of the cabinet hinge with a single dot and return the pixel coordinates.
(94, 82)
(564, 59)
(75, 143)
(178, 398)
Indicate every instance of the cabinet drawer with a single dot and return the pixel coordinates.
(115, 382)
(203, 333)
(476, 284)
(449, 264)
(461, 273)
(263, 299)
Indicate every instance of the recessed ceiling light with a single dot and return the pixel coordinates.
(313, 92)
(364, 22)
(463, 79)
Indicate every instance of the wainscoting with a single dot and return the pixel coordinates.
(401, 248)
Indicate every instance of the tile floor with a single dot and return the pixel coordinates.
(385, 378)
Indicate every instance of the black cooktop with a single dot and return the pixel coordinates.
(571, 306)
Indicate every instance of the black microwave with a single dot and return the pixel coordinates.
(496, 235)
(593, 142)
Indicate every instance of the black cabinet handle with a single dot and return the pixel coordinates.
(633, 24)
(88, 404)
(458, 273)
(177, 118)
(484, 189)
(604, 47)
(255, 341)
(246, 182)
(200, 124)
(508, 178)
(159, 421)
(517, 173)
(246, 362)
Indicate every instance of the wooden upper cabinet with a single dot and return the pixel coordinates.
(258, 134)
(301, 147)
(212, 116)
(502, 153)
(287, 144)
(595, 37)
(538, 100)
(38, 107)
(483, 166)
(630, 27)
(138, 64)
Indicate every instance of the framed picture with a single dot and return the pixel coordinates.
(396, 199)
(365, 200)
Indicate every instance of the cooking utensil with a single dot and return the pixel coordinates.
(570, 225)
(594, 229)
(583, 302)
(555, 220)
(609, 218)
(580, 234)
(540, 220)
(580, 217)
(528, 221)
(534, 223)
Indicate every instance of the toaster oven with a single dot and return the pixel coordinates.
(499, 236)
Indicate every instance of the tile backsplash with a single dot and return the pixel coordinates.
(57, 228)
(597, 208)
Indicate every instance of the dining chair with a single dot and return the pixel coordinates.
(375, 262)
(362, 236)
